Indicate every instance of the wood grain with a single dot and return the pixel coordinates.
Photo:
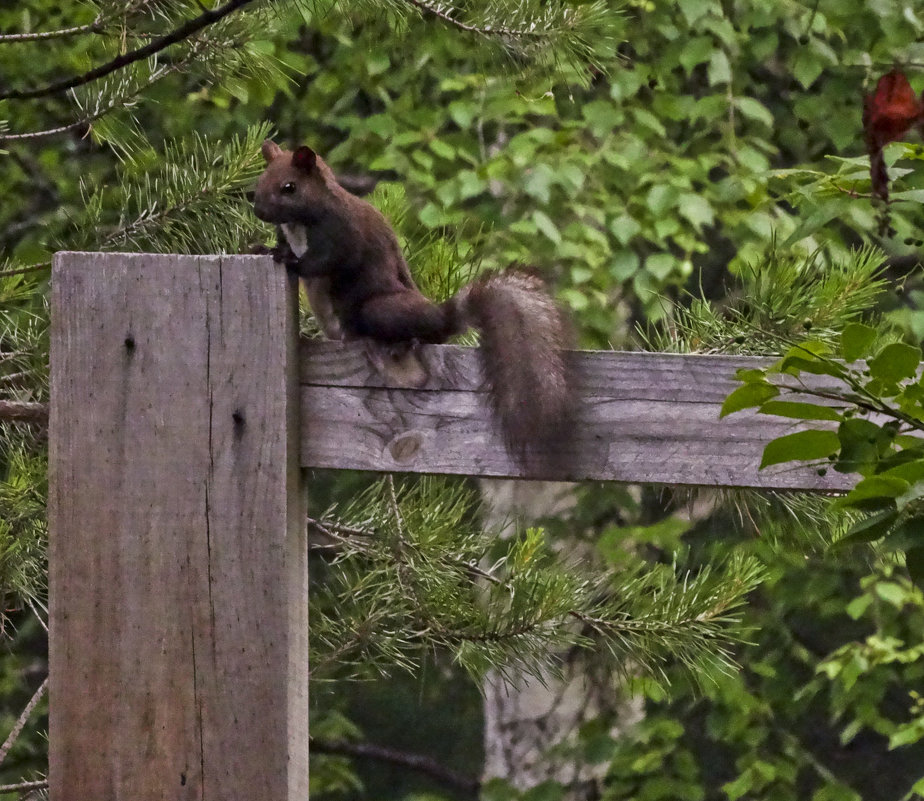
(178, 579)
(644, 417)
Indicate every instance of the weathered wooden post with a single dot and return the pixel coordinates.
(178, 574)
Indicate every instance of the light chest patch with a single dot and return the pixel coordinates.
(297, 237)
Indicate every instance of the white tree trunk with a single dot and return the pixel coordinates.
(530, 724)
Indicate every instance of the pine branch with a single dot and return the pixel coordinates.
(421, 583)
(103, 107)
(22, 720)
(193, 200)
(783, 297)
(24, 412)
(41, 784)
(417, 762)
(39, 36)
(98, 25)
(178, 34)
(446, 14)
(32, 268)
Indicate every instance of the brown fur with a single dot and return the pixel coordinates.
(350, 250)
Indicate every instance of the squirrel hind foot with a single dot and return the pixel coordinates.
(401, 365)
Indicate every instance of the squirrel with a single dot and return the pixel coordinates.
(360, 287)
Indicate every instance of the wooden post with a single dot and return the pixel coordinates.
(178, 572)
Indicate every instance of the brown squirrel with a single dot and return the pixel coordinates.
(359, 286)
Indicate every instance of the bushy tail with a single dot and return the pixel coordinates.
(523, 333)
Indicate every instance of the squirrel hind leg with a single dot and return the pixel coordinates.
(407, 317)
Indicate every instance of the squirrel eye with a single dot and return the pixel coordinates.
(288, 188)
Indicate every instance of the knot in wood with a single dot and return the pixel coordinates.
(404, 447)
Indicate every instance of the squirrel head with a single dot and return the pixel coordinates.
(294, 187)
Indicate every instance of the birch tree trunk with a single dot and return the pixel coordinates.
(531, 727)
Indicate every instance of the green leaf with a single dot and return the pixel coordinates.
(462, 113)
(914, 493)
(914, 561)
(796, 364)
(800, 411)
(747, 396)
(696, 209)
(912, 470)
(739, 787)
(913, 195)
(377, 62)
(895, 362)
(892, 593)
(443, 149)
(750, 374)
(719, 70)
(602, 117)
(755, 110)
(910, 732)
(660, 265)
(807, 67)
(862, 443)
(545, 224)
(809, 348)
(695, 52)
(624, 265)
(811, 356)
(858, 606)
(624, 228)
(875, 488)
(694, 9)
(908, 534)
(856, 340)
(538, 181)
(801, 446)
(660, 198)
(869, 528)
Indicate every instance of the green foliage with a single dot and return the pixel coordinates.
(782, 295)
(674, 164)
(190, 198)
(876, 413)
(23, 491)
(414, 571)
(820, 680)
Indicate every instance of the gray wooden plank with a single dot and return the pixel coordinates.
(644, 417)
(620, 374)
(178, 584)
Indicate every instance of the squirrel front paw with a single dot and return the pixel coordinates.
(283, 254)
(258, 249)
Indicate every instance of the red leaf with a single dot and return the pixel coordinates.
(888, 114)
(891, 110)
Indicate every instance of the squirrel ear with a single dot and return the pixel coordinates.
(270, 150)
(304, 158)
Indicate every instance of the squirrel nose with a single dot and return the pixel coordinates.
(261, 211)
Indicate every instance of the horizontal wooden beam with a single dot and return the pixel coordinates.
(643, 417)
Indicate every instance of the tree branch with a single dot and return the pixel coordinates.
(23, 412)
(441, 13)
(418, 762)
(155, 46)
(21, 721)
(41, 784)
(116, 102)
(92, 27)
(32, 268)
